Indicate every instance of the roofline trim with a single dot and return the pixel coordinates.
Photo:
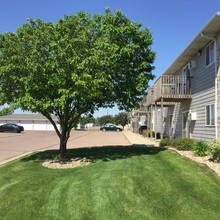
(198, 36)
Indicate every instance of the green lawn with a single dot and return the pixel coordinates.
(121, 183)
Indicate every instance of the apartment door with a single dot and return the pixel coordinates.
(186, 125)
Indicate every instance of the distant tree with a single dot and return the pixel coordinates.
(75, 66)
(87, 119)
(121, 118)
(106, 119)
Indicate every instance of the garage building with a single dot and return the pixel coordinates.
(31, 122)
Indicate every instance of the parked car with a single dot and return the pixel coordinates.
(10, 127)
(110, 127)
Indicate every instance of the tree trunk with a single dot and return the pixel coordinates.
(63, 144)
(63, 133)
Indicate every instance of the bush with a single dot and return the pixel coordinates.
(165, 142)
(214, 150)
(200, 148)
(183, 143)
(147, 133)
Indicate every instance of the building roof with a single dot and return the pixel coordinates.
(199, 42)
(26, 117)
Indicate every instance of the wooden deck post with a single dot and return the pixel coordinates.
(151, 127)
(155, 121)
(148, 121)
(162, 118)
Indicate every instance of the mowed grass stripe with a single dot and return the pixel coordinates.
(121, 183)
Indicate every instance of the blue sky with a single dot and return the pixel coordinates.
(173, 23)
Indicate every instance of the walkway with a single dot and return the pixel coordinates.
(135, 138)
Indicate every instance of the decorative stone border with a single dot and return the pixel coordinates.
(71, 163)
(202, 160)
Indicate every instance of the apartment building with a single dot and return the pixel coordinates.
(185, 99)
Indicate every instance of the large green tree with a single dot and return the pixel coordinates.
(75, 66)
(105, 119)
(6, 111)
(121, 118)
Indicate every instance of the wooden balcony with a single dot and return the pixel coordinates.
(169, 89)
(141, 110)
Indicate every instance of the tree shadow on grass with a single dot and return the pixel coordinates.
(104, 153)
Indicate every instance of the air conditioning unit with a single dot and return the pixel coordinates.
(192, 65)
(192, 116)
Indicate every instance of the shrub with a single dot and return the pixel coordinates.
(214, 150)
(146, 133)
(200, 148)
(165, 142)
(183, 143)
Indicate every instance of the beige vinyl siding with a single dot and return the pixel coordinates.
(218, 87)
(203, 77)
(157, 127)
(176, 126)
(203, 93)
(167, 128)
(199, 130)
(178, 117)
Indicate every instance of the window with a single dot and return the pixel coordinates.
(210, 115)
(210, 54)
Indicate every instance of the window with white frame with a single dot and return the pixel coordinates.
(210, 115)
(210, 54)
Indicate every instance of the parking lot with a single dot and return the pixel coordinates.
(13, 145)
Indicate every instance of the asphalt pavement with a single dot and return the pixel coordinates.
(13, 145)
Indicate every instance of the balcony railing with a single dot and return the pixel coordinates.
(141, 110)
(169, 88)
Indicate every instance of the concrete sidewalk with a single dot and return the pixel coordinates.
(135, 138)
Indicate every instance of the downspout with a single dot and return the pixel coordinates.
(216, 84)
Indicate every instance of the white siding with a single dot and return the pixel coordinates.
(30, 125)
